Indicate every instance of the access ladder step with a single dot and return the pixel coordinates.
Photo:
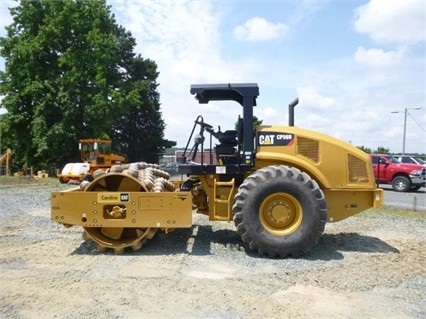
(229, 186)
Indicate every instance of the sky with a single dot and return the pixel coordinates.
(351, 63)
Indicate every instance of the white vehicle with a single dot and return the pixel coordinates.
(411, 159)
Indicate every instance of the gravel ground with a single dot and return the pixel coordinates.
(367, 266)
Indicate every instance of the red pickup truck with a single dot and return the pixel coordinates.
(402, 176)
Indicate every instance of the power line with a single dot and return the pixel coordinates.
(416, 122)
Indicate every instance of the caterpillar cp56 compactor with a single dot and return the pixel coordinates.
(279, 184)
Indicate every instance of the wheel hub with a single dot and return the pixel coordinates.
(400, 184)
(281, 214)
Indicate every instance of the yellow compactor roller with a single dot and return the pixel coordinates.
(279, 184)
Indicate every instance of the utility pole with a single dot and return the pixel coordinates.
(405, 124)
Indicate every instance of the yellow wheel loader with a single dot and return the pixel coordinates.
(278, 184)
(95, 155)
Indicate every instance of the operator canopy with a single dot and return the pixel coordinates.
(237, 92)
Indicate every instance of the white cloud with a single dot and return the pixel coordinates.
(259, 29)
(183, 38)
(178, 29)
(268, 115)
(269, 112)
(305, 12)
(5, 17)
(310, 98)
(392, 21)
(318, 120)
(377, 57)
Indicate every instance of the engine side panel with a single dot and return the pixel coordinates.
(330, 161)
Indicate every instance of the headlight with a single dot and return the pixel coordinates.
(416, 172)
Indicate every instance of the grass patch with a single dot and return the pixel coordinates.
(26, 180)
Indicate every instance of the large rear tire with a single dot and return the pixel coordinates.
(280, 211)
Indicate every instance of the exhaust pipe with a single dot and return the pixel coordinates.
(291, 107)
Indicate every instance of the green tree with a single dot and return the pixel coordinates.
(139, 133)
(381, 150)
(66, 78)
(256, 122)
(365, 149)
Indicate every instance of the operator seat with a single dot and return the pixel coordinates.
(226, 152)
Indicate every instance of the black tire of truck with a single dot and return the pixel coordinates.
(401, 184)
(280, 211)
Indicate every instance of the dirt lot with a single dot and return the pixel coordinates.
(368, 266)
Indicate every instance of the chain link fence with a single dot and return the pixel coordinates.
(409, 200)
